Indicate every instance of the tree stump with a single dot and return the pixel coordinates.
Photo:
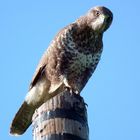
(63, 117)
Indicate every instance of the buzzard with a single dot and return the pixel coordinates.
(68, 63)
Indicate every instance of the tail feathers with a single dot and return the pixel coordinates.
(22, 119)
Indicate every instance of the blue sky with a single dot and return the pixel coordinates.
(113, 92)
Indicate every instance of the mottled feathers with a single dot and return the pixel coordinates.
(69, 62)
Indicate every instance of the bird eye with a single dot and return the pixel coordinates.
(97, 13)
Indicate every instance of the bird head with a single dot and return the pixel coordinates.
(99, 18)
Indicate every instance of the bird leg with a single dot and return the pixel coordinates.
(69, 88)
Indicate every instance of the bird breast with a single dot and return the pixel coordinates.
(83, 61)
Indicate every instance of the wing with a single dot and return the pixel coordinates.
(49, 60)
(39, 70)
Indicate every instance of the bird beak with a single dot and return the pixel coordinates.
(106, 22)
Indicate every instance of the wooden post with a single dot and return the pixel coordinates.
(63, 117)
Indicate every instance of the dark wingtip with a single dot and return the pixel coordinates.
(22, 120)
(15, 130)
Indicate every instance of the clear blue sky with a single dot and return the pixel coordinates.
(113, 92)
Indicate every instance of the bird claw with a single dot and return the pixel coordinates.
(71, 90)
(86, 104)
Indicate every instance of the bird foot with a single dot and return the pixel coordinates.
(86, 104)
(71, 90)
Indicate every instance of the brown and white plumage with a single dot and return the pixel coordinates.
(69, 62)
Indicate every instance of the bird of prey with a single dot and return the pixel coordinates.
(68, 63)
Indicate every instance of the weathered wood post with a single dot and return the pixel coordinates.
(63, 117)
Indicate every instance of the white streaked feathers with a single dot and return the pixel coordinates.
(37, 93)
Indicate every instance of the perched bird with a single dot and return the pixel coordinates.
(68, 63)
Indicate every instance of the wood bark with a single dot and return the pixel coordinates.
(63, 117)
